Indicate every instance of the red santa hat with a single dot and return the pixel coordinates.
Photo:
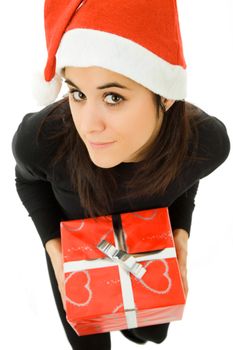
(138, 39)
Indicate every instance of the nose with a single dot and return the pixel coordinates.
(90, 119)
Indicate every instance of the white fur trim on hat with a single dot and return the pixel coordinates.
(87, 47)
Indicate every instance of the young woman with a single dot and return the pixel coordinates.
(123, 140)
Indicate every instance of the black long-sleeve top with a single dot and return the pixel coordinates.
(47, 195)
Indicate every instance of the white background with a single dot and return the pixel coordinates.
(29, 319)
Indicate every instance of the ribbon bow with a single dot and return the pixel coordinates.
(125, 260)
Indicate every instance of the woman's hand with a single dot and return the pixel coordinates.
(181, 245)
(53, 248)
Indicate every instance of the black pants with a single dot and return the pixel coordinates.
(100, 341)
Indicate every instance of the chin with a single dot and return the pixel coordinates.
(105, 164)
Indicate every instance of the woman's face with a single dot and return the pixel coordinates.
(115, 123)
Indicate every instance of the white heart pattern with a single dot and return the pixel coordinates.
(165, 274)
(86, 286)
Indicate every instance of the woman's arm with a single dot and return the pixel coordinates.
(180, 213)
(214, 146)
(181, 210)
(181, 245)
(33, 156)
(39, 200)
(53, 247)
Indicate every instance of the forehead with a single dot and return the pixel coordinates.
(98, 73)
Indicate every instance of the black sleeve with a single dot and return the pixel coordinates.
(181, 210)
(32, 183)
(213, 146)
(38, 198)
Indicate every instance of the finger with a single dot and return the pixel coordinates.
(64, 304)
(64, 299)
(182, 262)
(185, 283)
(184, 280)
(63, 296)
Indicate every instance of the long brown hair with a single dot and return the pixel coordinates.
(161, 164)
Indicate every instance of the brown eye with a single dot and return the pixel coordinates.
(76, 95)
(114, 98)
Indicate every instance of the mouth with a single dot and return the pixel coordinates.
(101, 145)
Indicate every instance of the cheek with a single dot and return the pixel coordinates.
(141, 126)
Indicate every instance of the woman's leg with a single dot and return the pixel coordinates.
(100, 341)
(156, 333)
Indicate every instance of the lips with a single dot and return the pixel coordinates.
(100, 145)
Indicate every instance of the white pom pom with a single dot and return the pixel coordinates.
(45, 92)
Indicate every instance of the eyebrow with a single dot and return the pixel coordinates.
(105, 86)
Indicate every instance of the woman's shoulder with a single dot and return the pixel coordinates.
(211, 130)
(31, 143)
(213, 143)
(199, 116)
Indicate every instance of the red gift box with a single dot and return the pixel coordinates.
(121, 271)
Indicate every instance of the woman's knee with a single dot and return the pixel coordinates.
(155, 333)
(159, 339)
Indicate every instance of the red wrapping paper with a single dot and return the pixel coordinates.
(101, 296)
